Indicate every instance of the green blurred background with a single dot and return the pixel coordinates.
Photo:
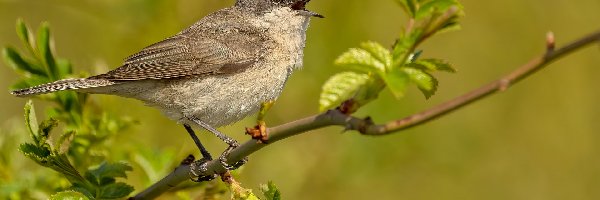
(538, 140)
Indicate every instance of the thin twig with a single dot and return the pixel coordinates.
(365, 126)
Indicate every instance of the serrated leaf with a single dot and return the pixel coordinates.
(45, 128)
(378, 51)
(64, 142)
(270, 191)
(431, 64)
(31, 121)
(397, 80)
(43, 45)
(438, 6)
(68, 195)
(341, 87)
(114, 191)
(424, 81)
(360, 60)
(78, 187)
(110, 170)
(34, 152)
(18, 63)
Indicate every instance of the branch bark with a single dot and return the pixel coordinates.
(366, 126)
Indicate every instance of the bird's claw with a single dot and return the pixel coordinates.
(200, 166)
(223, 159)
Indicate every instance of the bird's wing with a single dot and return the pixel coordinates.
(180, 56)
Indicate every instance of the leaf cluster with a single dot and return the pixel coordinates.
(372, 67)
(69, 153)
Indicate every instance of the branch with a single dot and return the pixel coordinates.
(366, 126)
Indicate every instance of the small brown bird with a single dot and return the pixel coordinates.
(216, 72)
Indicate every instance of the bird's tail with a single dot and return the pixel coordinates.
(65, 84)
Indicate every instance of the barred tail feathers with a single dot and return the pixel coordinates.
(60, 85)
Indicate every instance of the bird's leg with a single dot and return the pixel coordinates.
(259, 132)
(205, 154)
(199, 163)
(230, 141)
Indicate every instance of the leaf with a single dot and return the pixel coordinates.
(450, 25)
(43, 45)
(424, 81)
(341, 87)
(381, 53)
(64, 142)
(45, 128)
(34, 152)
(432, 64)
(114, 191)
(409, 6)
(404, 47)
(24, 34)
(435, 6)
(360, 60)
(68, 195)
(13, 59)
(270, 191)
(29, 82)
(397, 80)
(31, 121)
(64, 67)
(109, 170)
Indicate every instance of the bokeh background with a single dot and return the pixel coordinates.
(538, 140)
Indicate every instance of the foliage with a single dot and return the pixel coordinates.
(73, 151)
(374, 67)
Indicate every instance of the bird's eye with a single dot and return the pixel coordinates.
(299, 5)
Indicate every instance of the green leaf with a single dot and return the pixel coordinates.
(450, 25)
(68, 195)
(381, 53)
(43, 45)
(29, 82)
(14, 60)
(270, 191)
(109, 170)
(64, 142)
(31, 121)
(397, 80)
(44, 131)
(431, 64)
(409, 6)
(341, 87)
(64, 67)
(435, 6)
(360, 60)
(404, 47)
(114, 191)
(424, 81)
(24, 34)
(34, 152)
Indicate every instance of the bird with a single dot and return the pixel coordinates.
(213, 73)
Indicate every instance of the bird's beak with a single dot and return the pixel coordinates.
(309, 13)
(300, 6)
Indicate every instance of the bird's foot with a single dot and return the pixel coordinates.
(200, 166)
(225, 154)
